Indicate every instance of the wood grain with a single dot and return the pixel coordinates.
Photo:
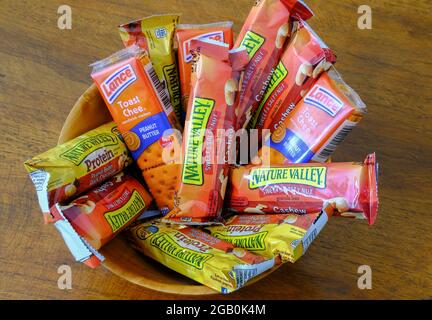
(43, 70)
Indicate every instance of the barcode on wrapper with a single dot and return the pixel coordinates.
(160, 88)
(330, 146)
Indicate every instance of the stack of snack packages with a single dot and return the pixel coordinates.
(232, 141)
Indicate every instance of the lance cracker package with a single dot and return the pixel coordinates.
(218, 31)
(317, 124)
(304, 58)
(138, 104)
(264, 34)
(208, 134)
(76, 166)
(199, 256)
(272, 235)
(351, 188)
(155, 34)
(100, 214)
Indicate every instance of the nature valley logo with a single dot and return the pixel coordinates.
(279, 74)
(192, 167)
(251, 242)
(82, 149)
(168, 245)
(118, 218)
(252, 42)
(310, 176)
(171, 78)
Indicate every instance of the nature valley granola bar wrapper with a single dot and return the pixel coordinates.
(218, 31)
(284, 235)
(351, 188)
(208, 136)
(264, 34)
(155, 34)
(78, 165)
(100, 214)
(199, 256)
(317, 124)
(138, 104)
(303, 60)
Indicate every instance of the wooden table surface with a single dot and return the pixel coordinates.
(43, 70)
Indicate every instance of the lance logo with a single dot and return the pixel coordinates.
(117, 82)
(323, 99)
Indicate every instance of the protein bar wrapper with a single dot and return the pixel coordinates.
(286, 235)
(199, 256)
(156, 35)
(351, 188)
(304, 58)
(317, 124)
(102, 213)
(263, 34)
(218, 31)
(208, 134)
(138, 104)
(76, 166)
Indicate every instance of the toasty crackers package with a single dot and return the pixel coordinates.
(272, 235)
(317, 124)
(218, 31)
(156, 35)
(138, 104)
(199, 256)
(99, 215)
(208, 134)
(263, 34)
(351, 188)
(76, 166)
(305, 57)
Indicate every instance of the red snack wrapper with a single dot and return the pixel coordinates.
(186, 33)
(317, 124)
(350, 188)
(98, 216)
(207, 139)
(263, 35)
(303, 60)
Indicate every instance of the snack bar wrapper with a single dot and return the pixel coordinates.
(350, 188)
(199, 256)
(218, 31)
(155, 34)
(263, 34)
(317, 124)
(78, 165)
(99, 215)
(208, 135)
(286, 235)
(304, 58)
(138, 104)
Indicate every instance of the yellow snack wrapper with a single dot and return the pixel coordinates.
(286, 235)
(155, 34)
(199, 256)
(69, 169)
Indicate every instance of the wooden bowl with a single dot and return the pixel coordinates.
(88, 113)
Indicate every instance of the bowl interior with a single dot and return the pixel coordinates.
(88, 113)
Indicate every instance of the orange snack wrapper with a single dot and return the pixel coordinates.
(350, 188)
(102, 213)
(218, 31)
(208, 135)
(302, 61)
(317, 124)
(92, 220)
(138, 104)
(264, 34)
